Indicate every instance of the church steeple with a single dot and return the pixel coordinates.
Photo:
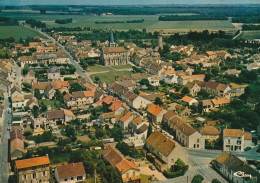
(111, 39)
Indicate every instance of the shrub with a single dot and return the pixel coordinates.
(215, 181)
(170, 174)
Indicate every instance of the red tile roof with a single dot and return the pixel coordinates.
(154, 109)
(27, 163)
(126, 165)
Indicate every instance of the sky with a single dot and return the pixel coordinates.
(123, 2)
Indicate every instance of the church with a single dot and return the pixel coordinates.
(114, 55)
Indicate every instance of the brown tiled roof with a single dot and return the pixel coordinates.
(32, 162)
(116, 105)
(16, 144)
(68, 113)
(126, 116)
(142, 129)
(187, 99)
(207, 102)
(161, 143)
(233, 133)
(169, 114)
(248, 136)
(125, 165)
(222, 157)
(112, 155)
(212, 122)
(186, 129)
(154, 109)
(55, 114)
(16, 133)
(209, 130)
(136, 121)
(114, 50)
(67, 96)
(109, 115)
(220, 101)
(71, 170)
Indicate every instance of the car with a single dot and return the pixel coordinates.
(152, 167)
(247, 148)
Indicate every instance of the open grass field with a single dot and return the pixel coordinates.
(109, 77)
(122, 66)
(250, 35)
(151, 22)
(98, 68)
(17, 32)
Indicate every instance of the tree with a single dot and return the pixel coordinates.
(203, 94)
(97, 78)
(76, 87)
(37, 94)
(215, 70)
(117, 134)
(150, 130)
(197, 179)
(123, 148)
(35, 111)
(185, 90)
(70, 131)
(200, 107)
(158, 101)
(99, 133)
(58, 96)
(215, 181)
(136, 91)
(145, 82)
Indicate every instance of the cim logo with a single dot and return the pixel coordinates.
(241, 174)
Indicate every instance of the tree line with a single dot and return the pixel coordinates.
(35, 23)
(247, 19)
(250, 27)
(4, 21)
(116, 22)
(63, 21)
(190, 17)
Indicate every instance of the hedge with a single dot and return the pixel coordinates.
(170, 174)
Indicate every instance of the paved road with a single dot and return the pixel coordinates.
(79, 69)
(18, 77)
(4, 142)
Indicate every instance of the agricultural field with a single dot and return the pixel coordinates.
(109, 77)
(17, 32)
(250, 35)
(151, 22)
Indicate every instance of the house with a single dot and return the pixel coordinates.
(182, 111)
(166, 150)
(210, 133)
(211, 54)
(219, 102)
(252, 66)
(236, 140)
(193, 87)
(45, 49)
(30, 77)
(183, 80)
(169, 76)
(189, 137)
(155, 113)
(168, 116)
(231, 168)
(89, 87)
(217, 89)
(154, 80)
(124, 121)
(73, 172)
(237, 90)
(223, 54)
(49, 92)
(152, 97)
(118, 107)
(32, 102)
(129, 171)
(232, 72)
(207, 105)
(53, 74)
(33, 170)
(109, 117)
(16, 144)
(58, 117)
(189, 100)
(83, 97)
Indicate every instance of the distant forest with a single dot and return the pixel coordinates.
(115, 22)
(190, 17)
(4, 21)
(247, 19)
(250, 27)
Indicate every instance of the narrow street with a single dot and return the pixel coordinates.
(5, 135)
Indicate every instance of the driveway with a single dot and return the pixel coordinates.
(147, 171)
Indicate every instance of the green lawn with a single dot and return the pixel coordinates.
(64, 157)
(122, 66)
(109, 77)
(250, 35)
(17, 32)
(98, 68)
(50, 102)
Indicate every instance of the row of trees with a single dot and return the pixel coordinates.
(35, 23)
(250, 27)
(63, 21)
(190, 17)
(247, 19)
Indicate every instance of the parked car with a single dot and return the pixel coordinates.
(247, 148)
(152, 167)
